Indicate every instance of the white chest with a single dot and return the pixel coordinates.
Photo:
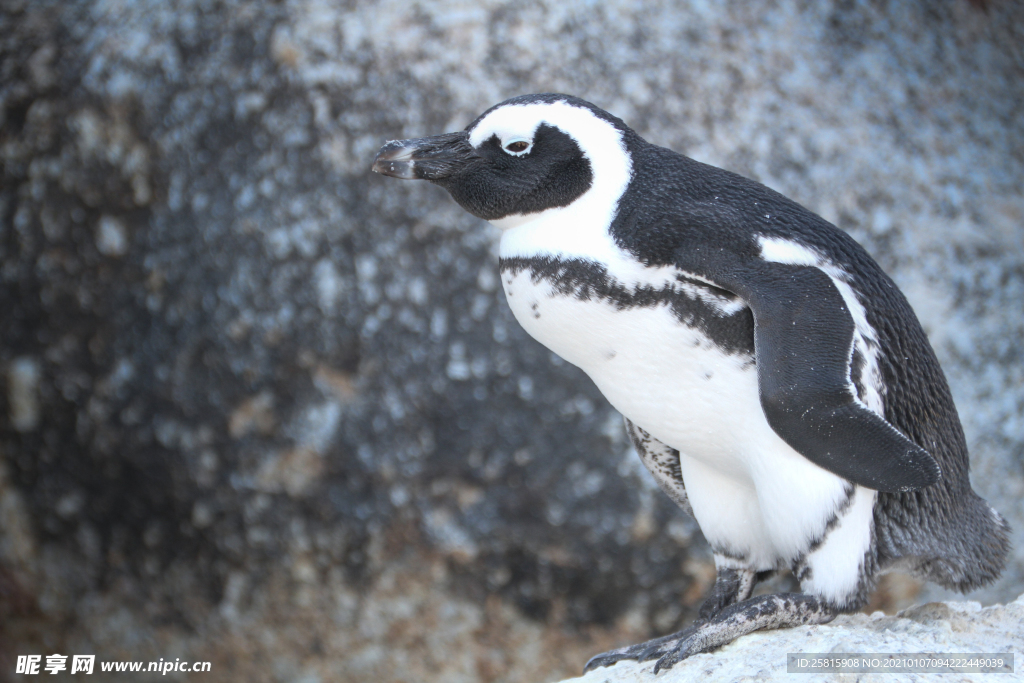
(655, 370)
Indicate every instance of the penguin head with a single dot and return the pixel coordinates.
(520, 158)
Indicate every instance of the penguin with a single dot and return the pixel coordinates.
(773, 379)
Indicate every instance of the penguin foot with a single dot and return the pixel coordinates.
(659, 648)
(781, 610)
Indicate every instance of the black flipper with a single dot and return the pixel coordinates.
(802, 338)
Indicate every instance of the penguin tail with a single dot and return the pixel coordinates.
(979, 554)
(962, 551)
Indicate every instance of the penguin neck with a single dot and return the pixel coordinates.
(579, 231)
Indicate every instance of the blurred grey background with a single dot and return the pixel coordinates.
(264, 408)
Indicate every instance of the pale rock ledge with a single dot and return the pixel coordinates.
(934, 627)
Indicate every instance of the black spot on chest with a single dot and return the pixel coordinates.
(694, 303)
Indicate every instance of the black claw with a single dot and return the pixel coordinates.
(600, 660)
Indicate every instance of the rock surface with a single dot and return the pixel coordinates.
(264, 408)
(935, 627)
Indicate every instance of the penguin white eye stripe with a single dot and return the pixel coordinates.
(600, 143)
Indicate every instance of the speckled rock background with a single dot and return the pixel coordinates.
(266, 409)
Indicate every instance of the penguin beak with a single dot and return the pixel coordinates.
(433, 158)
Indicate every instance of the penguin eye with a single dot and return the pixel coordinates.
(517, 146)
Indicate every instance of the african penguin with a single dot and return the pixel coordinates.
(773, 379)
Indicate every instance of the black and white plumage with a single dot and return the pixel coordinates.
(773, 378)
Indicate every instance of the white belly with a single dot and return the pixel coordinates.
(751, 493)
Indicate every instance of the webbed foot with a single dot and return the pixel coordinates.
(659, 648)
(763, 612)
